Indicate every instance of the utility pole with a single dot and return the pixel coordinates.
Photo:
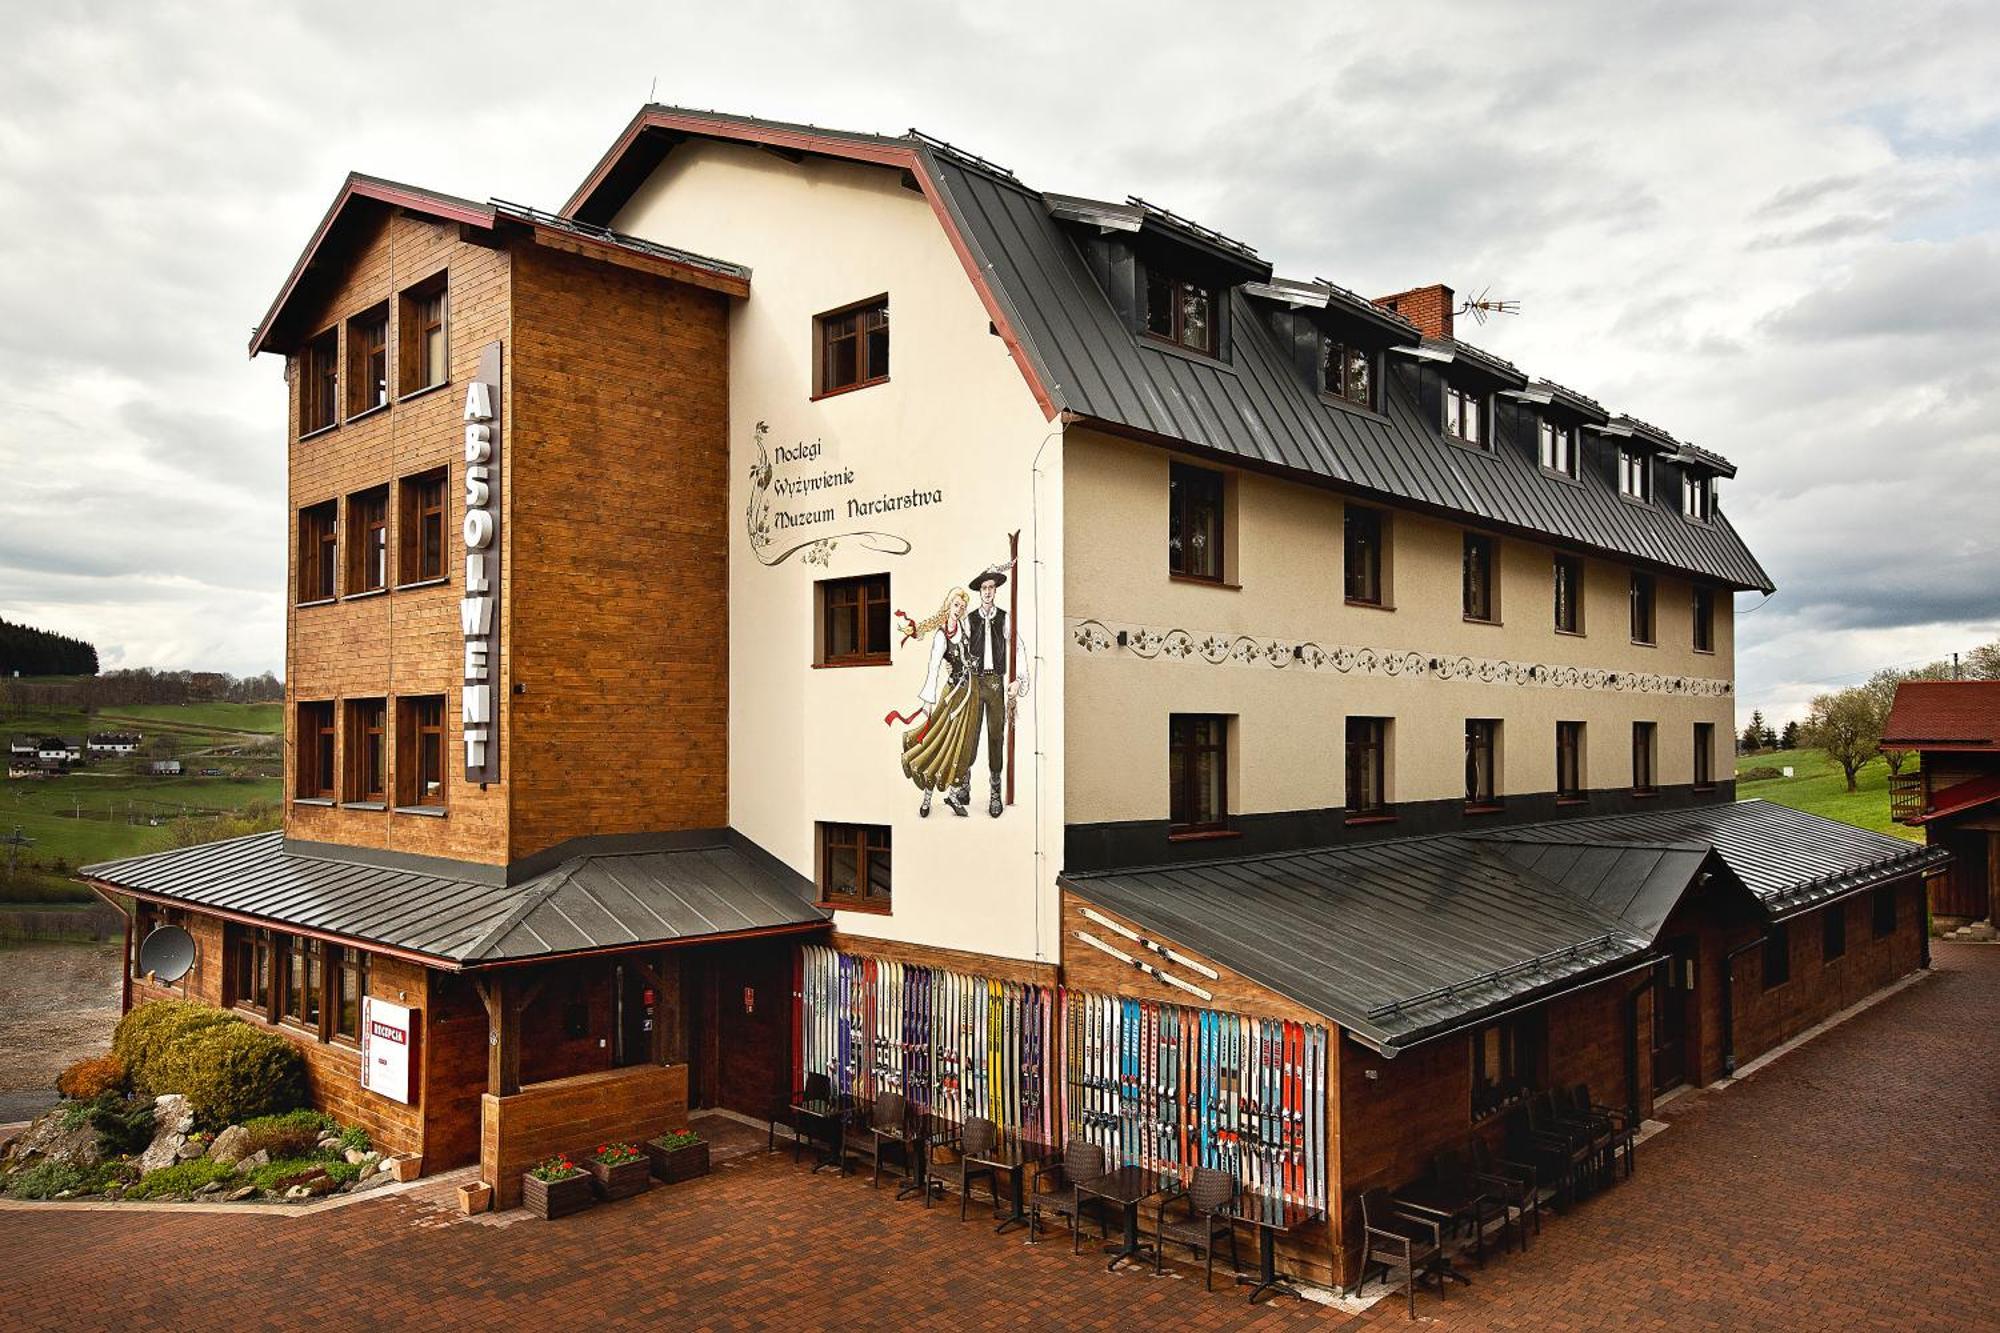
(1954, 667)
(15, 842)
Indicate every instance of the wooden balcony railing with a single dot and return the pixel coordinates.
(1907, 800)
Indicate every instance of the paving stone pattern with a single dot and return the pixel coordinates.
(1843, 1187)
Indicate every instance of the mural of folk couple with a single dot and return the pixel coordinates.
(975, 674)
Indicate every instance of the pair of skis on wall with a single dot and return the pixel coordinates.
(1170, 1087)
(957, 1044)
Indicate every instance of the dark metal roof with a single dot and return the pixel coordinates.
(1790, 860)
(1396, 941)
(588, 903)
(535, 217)
(1639, 883)
(1258, 408)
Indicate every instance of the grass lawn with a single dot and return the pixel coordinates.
(46, 811)
(1820, 788)
(265, 718)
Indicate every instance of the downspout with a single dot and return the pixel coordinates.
(1633, 1074)
(1729, 1003)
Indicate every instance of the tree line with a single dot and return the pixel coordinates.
(39, 652)
(1846, 725)
(116, 689)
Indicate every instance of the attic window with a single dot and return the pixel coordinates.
(1698, 496)
(1635, 474)
(1348, 372)
(1465, 415)
(1181, 312)
(1558, 448)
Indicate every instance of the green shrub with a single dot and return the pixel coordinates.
(344, 1173)
(280, 1172)
(149, 1032)
(290, 1134)
(101, 1177)
(91, 1077)
(124, 1125)
(354, 1139)
(181, 1178)
(44, 1180)
(230, 1072)
(1762, 773)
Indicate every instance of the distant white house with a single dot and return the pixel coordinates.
(115, 742)
(20, 745)
(164, 768)
(58, 750)
(26, 768)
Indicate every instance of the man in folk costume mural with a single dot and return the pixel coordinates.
(937, 748)
(990, 655)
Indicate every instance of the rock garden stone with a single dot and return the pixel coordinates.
(172, 1119)
(298, 1192)
(355, 1156)
(375, 1181)
(47, 1140)
(229, 1145)
(262, 1157)
(239, 1195)
(212, 1187)
(191, 1149)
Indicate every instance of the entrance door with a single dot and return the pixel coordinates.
(749, 1025)
(635, 1007)
(1963, 891)
(1672, 995)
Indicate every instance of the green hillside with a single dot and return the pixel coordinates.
(1818, 787)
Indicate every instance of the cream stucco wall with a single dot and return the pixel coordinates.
(956, 418)
(1288, 738)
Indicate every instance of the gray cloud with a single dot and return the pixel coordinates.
(1771, 228)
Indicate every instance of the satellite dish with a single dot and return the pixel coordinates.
(167, 953)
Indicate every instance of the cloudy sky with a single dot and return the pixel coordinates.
(1773, 229)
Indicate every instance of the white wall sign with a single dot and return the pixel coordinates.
(387, 1033)
(479, 614)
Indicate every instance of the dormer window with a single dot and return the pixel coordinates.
(1558, 448)
(1348, 372)
(1465, 415)
(1635, 473)
(1698, 496)
(1181, 312)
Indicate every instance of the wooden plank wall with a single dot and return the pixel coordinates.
(572, 1115)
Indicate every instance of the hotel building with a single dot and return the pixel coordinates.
(818, 604)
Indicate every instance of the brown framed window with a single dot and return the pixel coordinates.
(1882, 912)
(1194, 522)
(1635, 474)
(1558, 447)
(1833, 932)
(420, 772)
(1569, 594)
(250, 969)
(1465, 415)
(1181, 312)
(1197, 772)
(368, 541)
(347, 977)
(368, 360)
(315, 751)
(1367, 765)
(1643, 627)
(1777, 955)
(304, 977)
(420, 523)
(319, 383)
(852, 346)
(1507, 1061)
(319, 551)
(1480, 563)
(854, 866)
(1704, 618)
(423, 346)
(1348, 372)
(367, 757)
(1364, 554)
(1569, 761)
(1645, 758)
(1482, 761)
(1704, 754)
(854, 621)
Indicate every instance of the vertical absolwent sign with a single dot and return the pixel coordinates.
(479, 611)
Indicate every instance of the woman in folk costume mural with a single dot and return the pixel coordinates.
(937, 748)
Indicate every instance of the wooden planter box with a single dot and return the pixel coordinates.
(623, 1180)
(407, 1165)
(677, 1164)
(474, 1197)
(557, 1198)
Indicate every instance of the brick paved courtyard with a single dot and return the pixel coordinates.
(1847, 1186)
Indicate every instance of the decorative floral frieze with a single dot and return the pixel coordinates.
(1092, 637)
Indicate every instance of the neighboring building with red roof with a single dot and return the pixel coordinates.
(1955, 796)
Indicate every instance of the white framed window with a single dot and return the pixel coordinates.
(1465, 415)
(1698, 496)
(1558, 447)
(1635, 473)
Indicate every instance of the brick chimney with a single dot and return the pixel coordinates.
(1429, 308)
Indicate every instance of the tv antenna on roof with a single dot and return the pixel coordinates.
(1482, 305)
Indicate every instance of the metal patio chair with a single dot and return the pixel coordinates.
(1082, 1162)
(1391, 1236)
(818, 1087)
(978, 1136)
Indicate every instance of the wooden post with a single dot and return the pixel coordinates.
(504, 1004)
